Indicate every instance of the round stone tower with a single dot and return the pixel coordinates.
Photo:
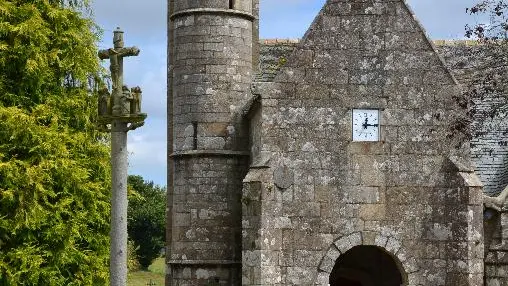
(210, 66)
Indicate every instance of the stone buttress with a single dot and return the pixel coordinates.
(210, 63)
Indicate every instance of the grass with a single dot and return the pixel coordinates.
(155, 274)
(157, 266)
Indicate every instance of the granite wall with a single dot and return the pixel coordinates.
(316, 194)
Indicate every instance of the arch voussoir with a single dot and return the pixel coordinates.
(349, 241)
(393, 245)
(388, 243)
(328, 261)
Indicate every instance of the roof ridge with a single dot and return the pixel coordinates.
(437, 42)
(278, 41)
(456, 42)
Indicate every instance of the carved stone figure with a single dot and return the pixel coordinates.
(116, 104)
(136, 100)
(122, 102)
(104, 107)
(114, 68)
(125, 101)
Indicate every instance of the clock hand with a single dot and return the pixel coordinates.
(365, 124)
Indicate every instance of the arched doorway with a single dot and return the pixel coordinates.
(365, 265)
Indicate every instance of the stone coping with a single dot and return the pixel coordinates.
(208, 153)
(280, 41)
(274, 42)
(238, 13)
(456, 42)
(203, 262)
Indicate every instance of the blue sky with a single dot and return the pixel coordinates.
(144, 23)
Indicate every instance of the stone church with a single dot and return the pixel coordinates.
(338, 159)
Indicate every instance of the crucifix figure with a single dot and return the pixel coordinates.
(116, 116)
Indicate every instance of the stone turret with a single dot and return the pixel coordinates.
(211, 59)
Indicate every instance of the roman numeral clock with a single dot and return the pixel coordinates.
(365, 125)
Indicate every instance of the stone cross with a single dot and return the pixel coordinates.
(118, 114)
(115, 56)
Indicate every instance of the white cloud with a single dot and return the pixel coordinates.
(147, 151)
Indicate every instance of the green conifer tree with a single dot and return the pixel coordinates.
(54, 166)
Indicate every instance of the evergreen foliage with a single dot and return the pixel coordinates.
(54, 166)
(146, 219)
(132, 257)
(497, 29)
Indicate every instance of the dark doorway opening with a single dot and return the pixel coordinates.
(347, 282)
(366, 265)
(231, 4)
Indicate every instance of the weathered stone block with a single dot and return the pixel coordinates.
(322, 279)
(301, 275)
(372, 211)
(181, 219)
(381, 240)
(359, 195)
(349, 241)
(437, 231)
(393, 245)
(307, 257)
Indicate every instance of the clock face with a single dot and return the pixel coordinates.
(365, 125)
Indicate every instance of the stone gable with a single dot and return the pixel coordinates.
(468, 61)
(319, 186)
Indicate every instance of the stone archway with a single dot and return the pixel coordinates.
(379, 245)
(365, 265)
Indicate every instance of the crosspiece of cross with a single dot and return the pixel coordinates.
(115, 56)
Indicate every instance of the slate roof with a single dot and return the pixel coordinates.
(474, 64)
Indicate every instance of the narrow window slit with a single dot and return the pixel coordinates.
(195, 135)
(231, 4)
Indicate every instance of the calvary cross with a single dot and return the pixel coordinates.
(118, 114)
